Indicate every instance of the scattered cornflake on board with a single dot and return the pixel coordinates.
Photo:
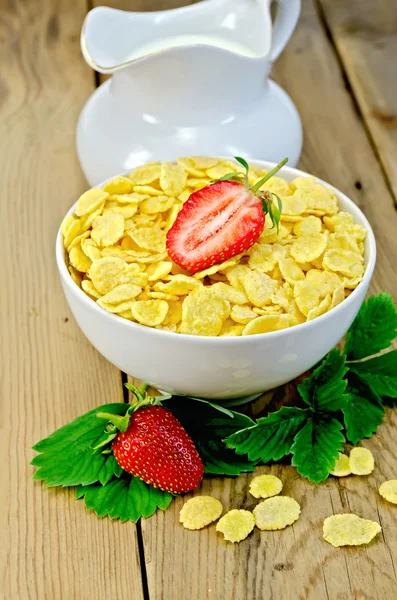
(200, 511)
(236, 525)
(349, 530)
(361, 461)
(276, 513)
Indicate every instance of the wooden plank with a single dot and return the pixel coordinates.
(51, 546)
(297, 563)
(365, 35)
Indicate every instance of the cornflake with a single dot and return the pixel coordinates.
(236, 525)
(242, 314)
(90, 201)
(309, 247)
(149, 312)
(107, 229)
(361, 461)
(267, 323)
(259, 288)
(203, 313)
(349, 530)
(265, 486)
(200, 511)
(79, 260)
(145, 174)
(106, 273)
(342, 466)
(276, 513)
(388, 490)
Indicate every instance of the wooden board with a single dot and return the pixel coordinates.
(52, 547)
(365, 36)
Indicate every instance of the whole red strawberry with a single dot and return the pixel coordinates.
(221, 220)
(157, 449)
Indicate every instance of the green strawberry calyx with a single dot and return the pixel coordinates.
(271, 203)
(116, 423)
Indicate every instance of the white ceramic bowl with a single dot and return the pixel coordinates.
(217, 367)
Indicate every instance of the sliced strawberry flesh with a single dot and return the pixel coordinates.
(216, 220)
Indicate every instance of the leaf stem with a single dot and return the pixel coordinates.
(270, 174)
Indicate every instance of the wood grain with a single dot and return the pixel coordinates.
(365, 35)
(52, 547)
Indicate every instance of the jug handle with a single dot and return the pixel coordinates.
(288, 12)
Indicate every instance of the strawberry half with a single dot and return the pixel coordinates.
(156, 448)
(221, 220)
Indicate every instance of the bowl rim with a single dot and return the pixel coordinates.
(226, 341)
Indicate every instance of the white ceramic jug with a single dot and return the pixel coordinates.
(191, 80)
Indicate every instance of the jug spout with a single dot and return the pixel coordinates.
(106, 38)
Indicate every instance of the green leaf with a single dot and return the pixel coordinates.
(316, 447)
(127, 499)
(379, 373)
(117, 470)
(243, 162)
(236, 176)
(374, 328)
(279, 202)
(240, 401)
(213, 405)
(66, 456)
(272, 437)
(109, 470)
(217, 458)
(324, 389)
(363, 412)
(275, 214)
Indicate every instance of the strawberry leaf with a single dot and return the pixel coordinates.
(316, 447)
(217, 458)
(364, 410)
(235, 176)
(110, 469)
(244, 163)
(66, 457)
(213, 405)
(271, 437)
(324, 390)
(243, 400)
(379, 373)
(374, 328)
(127, 499)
